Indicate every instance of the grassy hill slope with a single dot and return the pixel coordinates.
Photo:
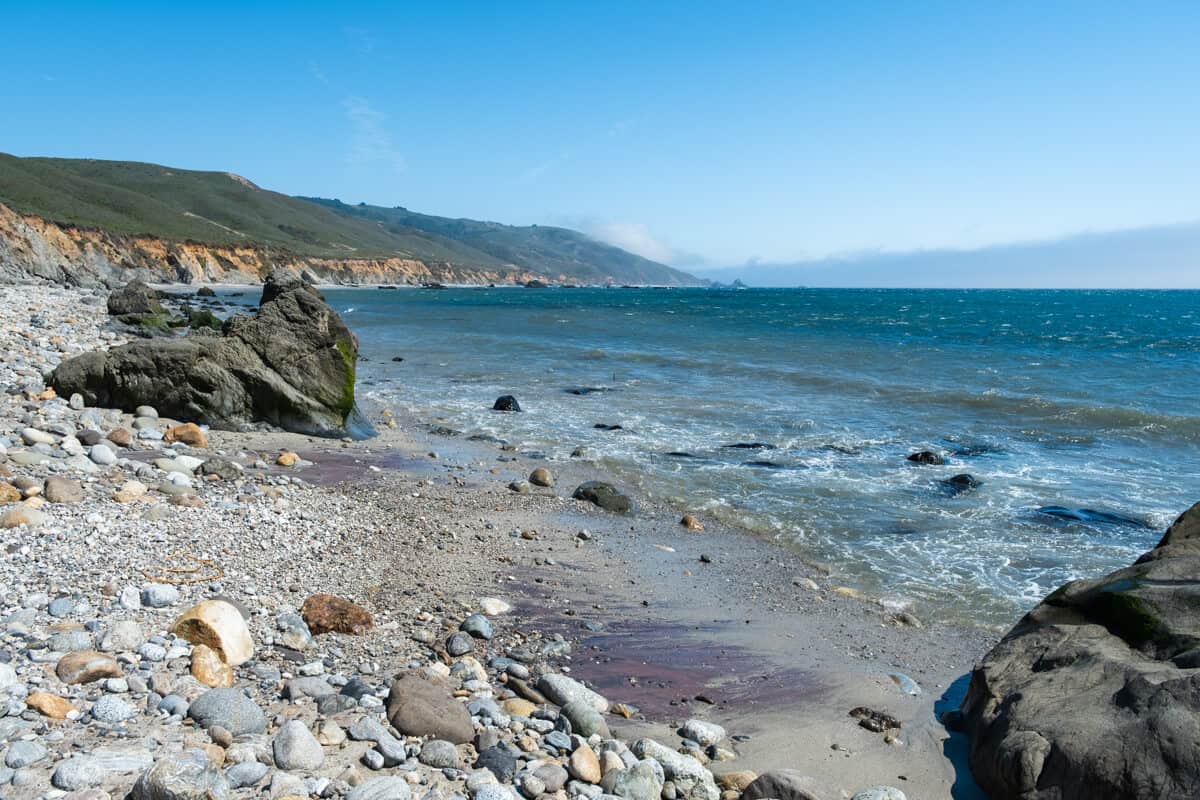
(220, 208)
(549, 250)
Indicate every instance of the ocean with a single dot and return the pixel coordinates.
(1077, 414)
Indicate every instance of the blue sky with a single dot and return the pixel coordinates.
(697, 133)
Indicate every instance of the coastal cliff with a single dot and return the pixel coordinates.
(36, 249)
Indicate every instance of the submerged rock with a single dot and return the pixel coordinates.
(291, 365)
(506, 403)
(927, 457)
(1095, 692)
(1091, 516)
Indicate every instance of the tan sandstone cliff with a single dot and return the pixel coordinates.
(35, 249)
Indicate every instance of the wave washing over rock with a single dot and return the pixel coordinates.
(1095, 694)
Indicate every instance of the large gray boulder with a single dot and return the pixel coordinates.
(134, 297)
(1096, 692)
(291, 365)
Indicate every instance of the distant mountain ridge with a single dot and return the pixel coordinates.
(560, 253)
(87, 220)
(1166, 256)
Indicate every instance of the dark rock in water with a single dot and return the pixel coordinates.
(600, 426)
(1091, 516)
(397, 359)
(205, 291)
(506, 403)
(536, 284)
(1094, 694)
(442, 430)
(681, 454)
(960, 483)
(750, 446)
(134, 298)
(604, 495)
(485, 437)
(291, 365)
(585, 390)
(764, 464)
(927, 457)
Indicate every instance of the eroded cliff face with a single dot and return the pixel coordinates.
(33, 249)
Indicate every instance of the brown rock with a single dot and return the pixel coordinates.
(9, 493)
(85, 666)
(189, 433)
(186, 501)
(121, 437)
(420, 707)
(324, 613)
(49, 705)
(736, 781)
(209, 669)
(287, 459)
(691, 523)
(541, 477)
(63, 490)
(584, 765)
(130, 491)
(29, 516)
(519, 707)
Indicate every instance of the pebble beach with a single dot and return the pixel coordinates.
(188, 612)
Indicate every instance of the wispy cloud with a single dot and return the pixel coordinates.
(634, 237)
(318, 73)
(616, 129)
(370, 142)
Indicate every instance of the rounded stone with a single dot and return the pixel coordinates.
(439, 753)
(478, 626)
(229, 708)
(296, 748)
(112, 709)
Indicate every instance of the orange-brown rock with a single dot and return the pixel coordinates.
(121, 437)
(9, 493)
(691, 523)
(85, 666)
(189, 433)
(287, 459)
(325, 613)
(209, 669)
(49, 705)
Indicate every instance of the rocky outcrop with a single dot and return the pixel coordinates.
(291, 365)
(1096, 692)
(33, 249)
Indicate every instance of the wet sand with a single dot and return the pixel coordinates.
(743, 640)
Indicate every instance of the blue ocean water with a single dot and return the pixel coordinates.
(1075, 399)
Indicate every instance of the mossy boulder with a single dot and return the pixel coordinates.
(290, 365)
(1096, 692)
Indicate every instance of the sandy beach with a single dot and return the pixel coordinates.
(418, 527)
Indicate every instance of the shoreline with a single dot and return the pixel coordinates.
(783, 662)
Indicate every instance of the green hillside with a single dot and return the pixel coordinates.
(220, 208)
(549, 250)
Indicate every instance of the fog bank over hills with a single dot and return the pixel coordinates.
(1165, 257)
